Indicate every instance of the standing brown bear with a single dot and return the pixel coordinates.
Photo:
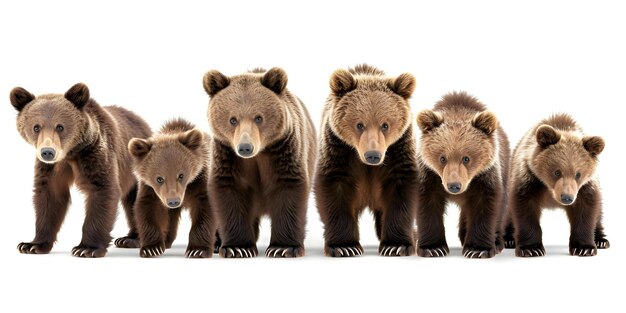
(554, 166)
(263, 156)
(367, 159)
(463, 158)
(78, 141)
(173, 171)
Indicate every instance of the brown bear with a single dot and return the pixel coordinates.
(263, 156)
(367, 158)
(463, 158)
(173, 171)
(554, 166)
(78, 142)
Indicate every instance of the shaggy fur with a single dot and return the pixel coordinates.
(554, 166)
(263, 156)
(367, 158)
(463, 158)
(77, 141)
(172, 167)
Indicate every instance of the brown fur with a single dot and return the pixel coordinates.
(463, 158)
(89, 142)
(263, 156)
(173, 171)
(347, 180)
(552, 165)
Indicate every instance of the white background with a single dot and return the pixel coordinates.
(524, 60)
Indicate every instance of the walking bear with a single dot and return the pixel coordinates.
(263, 152)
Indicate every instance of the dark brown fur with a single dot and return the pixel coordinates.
(173, 171)
(464, 158)
(90, 152)
(544, 174)
(345, 184)
(273, 175)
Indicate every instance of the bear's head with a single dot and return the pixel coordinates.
(169, 162)
(458, 147)
(248, 112)
(564, 161)
(53, 123)
(370, 112)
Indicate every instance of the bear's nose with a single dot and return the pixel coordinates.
(373, 157)
(454, 187)
(245, 149)
(567, 199)
(173, 202)
(47, 154)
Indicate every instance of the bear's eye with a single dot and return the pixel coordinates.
(258, 119)
(181, 177)
(37, 128)
(233, 121)
(160, 180)
(557, 173)
(577, 175)
(360, 126)
(443, 160)
(466, 159)
(60, 128)
(385, 126)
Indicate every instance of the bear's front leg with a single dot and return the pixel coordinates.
(481, 217)
(288, 204)
(398, 214)
(51, 200)
(237, 227)
(201, 235)
(431, 205)
(101, 206)
(583, 217)
(152, 219)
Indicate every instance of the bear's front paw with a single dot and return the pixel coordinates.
(83, 251)
(433, 251)
(198, 252)
(150, 251)
(396, 250)
(34, 248)
(344, 251)
(478, 253)
(238, 252)
(530, 251)
(582, 250)
(127, 242)
(603, 243)
(284, 251)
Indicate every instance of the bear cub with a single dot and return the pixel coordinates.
(173, 171)
(463, 158)
(263, 152)
(367, 158)
(78, 142)
(554, 166)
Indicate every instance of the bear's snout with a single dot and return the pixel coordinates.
(373, 157)
(454, 187)
(567, 199)
(245, 149)
(47, 154)
(173, 203)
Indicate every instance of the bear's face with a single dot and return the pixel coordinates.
(564, 161)
(371, 117)
(458, 146)
(52, 123)
(247, 112)
(169, 162)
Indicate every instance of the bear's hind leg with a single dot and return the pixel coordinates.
(132, 239)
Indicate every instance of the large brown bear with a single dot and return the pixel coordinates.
(78, 141)
(463, 158)
(173, 171)
(367, 159)
(263, 157)
(554, 166)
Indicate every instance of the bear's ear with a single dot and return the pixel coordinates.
(139, 148)
(214, 82)
(342, 82)
(486, 121)
(20, 97)
(403, 85)
(192, 139)
(275, 80)
(594, 144)
(547, 136)
(428, 120)
(78, 95)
